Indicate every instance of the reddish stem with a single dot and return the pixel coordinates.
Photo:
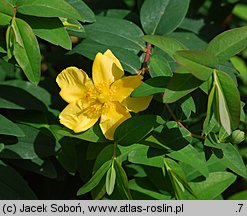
(180, 123)
(147, 56)
(146, 59)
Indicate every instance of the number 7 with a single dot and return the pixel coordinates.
(240, 207)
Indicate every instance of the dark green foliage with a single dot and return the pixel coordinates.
(189, 144)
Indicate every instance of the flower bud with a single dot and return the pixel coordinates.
(237, 136)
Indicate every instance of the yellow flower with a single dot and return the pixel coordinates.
(107, 97)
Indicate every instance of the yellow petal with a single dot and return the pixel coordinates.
(106, 68)
(110, 55)
(122, 88)
(80, 116)
(113, 114)
(73, 83)
(137, 104)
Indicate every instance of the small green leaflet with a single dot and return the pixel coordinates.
(228, 101)
(110, 179)
(228, 43)
(94, 181)
(26, 50)
(224, 102)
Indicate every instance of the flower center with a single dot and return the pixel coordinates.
(102, 98)
(104, 93)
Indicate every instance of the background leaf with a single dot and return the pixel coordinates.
(122, 182)
(6, 8)
(49, 29)
(5, 19)
(128, 59)
(36, 143)
(27, 52)
(228, 155)
(143, 155)
(124, 136)
(13, 186)
(167, 44)
(213, 186)
(94, 181)
(192, 157)
(116, 32)
(159, 66)
(179, 86)
(158, 17)
(228, 43)
(8, 127)
(197, 62)
(150, 87)
(46, 8)
(85, 12)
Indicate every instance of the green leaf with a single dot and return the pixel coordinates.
(190, 40)
(143, 155)
(36, 91)
(214, 185)
(36, 143)
(6, 68)
(241, 66)
(67, 155)
(135, 129)
(129, 60)
(191, 156)
(110, 179)
(197, 62)
(229, 68)
(94, 181)
(10, 40)
(233, 160)
(41, 166)
(143, 187)
(193, 25)
(159, 66)
(177, 178)
(26, 99)
(150, 87)
(8, 127)
(73, 27)
(210, 121)
(228, 155)
(173, 137)
(240, 10)
(85, 12)
(94, 134)
(103, 155)
(6, 8)
(3, 49)
(167, 44)
(116, 32)
(118, 13)
(13, 186)
(122, 181)
(5, 19)
(26, 50)
(47, 8)
(242, 195)
(162, 16)
(49, 29)
(228, 101)
(179, 86)
(228, 43)
(135, 170)
(188, 106)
